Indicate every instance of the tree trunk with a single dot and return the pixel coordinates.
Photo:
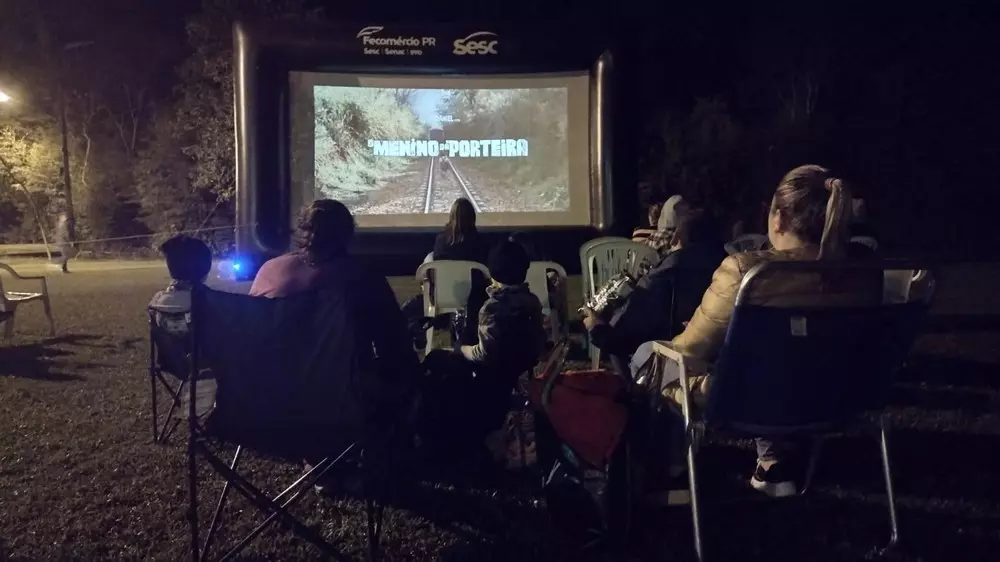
(86, 160)
(54, 62)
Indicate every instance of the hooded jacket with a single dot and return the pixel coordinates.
(511, 332)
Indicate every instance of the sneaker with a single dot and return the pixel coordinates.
(776, 481)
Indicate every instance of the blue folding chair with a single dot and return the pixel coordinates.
(295, 380)
(798, 371)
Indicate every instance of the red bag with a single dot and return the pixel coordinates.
(586, 412)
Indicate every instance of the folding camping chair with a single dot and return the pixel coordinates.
(168, 371)
(289, 385)
(583, 445)
(794, 371)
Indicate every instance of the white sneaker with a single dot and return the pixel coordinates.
(774, 481)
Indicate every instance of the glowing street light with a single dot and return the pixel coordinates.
(4, 98)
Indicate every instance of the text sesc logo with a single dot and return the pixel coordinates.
(478, 43)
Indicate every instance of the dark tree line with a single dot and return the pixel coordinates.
(148, 109)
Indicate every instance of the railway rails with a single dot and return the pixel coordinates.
(444, 184)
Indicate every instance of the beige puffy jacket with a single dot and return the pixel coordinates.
(705, 333)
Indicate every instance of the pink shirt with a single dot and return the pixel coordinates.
(287, 275)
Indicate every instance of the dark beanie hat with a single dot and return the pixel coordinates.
(188, 259)
(508, 263)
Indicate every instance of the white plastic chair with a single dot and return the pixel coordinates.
(9, 301)
(429, 279)
(609, 260)
(747, 243)
(450, 290)
(538, 282)
(897, 283)
(866, 240)
(585, 253)
(606, 259)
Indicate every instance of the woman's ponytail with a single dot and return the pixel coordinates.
(836, 227)
(816, 207)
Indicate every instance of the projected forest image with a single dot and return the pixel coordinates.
(401, 151)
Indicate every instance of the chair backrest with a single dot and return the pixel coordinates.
(429, 257)
(607, 259)
(287, 370)
(452, 284)
(4, 306)
(747, 243)
(585, 253)
(171, 349)
(538, 280)
(783, 368)
(867, 241)
(586, 246)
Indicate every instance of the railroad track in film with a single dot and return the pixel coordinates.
(445, 183)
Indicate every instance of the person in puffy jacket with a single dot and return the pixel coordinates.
(809, 219)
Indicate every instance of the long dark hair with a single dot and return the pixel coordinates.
(324, 230)
(461, 221)
(817, 206)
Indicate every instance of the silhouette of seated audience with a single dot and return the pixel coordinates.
(189, 261)
(459, 240)
(673, 211)
(809, 219)
(320, 262)
(467, 390)
(667, 295)
(642, 233)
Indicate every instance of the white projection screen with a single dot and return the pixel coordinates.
(398, 150)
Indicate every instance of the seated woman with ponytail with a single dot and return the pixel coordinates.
(809, 219)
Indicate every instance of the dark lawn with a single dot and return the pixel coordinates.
(81, 480)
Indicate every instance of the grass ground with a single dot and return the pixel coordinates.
(80, 479)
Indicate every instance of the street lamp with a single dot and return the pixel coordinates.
(4, 98)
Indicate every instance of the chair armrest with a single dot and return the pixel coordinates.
(552, 370)
(20, 277)
(663, 349)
